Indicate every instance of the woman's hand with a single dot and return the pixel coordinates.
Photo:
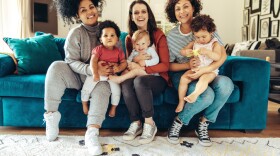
(104, 69)
(133, 65)
(194, 62)
(142, 56)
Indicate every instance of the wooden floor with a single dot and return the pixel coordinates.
(272, 130)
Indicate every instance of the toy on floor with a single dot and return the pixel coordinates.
(107, 148)
(187, 144)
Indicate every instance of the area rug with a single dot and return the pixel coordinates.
(36, 145)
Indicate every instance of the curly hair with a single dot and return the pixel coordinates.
(203, 22)
(170, 9)
(68, 9)
(152, 25)
(108, 24)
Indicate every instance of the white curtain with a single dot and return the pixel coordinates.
(14, 20)
(24, 24)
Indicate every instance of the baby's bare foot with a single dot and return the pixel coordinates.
(191, 98)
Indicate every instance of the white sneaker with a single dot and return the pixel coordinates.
(91, 141)
(148, 134)
(52, 121)
(133, 131)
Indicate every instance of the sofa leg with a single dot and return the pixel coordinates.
(252, 131)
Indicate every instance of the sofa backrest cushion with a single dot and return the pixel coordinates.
(35, 54)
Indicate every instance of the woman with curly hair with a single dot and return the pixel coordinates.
(218, 91)
(72, 72)
(138, 92)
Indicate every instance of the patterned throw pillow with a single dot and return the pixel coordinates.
(240, 46)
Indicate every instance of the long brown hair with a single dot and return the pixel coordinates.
(152, 26)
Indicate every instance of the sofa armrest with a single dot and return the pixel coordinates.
(252, 76)
(7, 65)
(261, 54)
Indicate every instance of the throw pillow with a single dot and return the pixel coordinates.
(240, 46)
(58, 41)
(255, 45)
(35, 54)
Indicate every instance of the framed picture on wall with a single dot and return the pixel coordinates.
(246, 17)
(256, 6)
(264, 27)
(266, 7)
(274, 28)
(276, 8)
(247, 3)
(253, 30)
(244, 34)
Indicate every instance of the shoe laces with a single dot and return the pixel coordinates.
(47, 121)
(203, 130)
(132, 128)
(175, 129)
(93, 138)
(147, 131)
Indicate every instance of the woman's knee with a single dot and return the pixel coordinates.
(126, 87)
(57, 66)
(141, 82)
(222, 84)
(206, 98)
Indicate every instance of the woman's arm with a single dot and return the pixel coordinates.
(73, 52)
(163, 53)
(94, 67)
(179, 66)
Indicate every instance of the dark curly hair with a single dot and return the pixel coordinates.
(68, 9)
(108, 24)
(152, 25)
(170, 9)
(203, 22)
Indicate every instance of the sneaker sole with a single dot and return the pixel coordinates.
(146, 141)
(203, 143)
(173, 141)
(129, 138)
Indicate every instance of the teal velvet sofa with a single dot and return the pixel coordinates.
(22, 99)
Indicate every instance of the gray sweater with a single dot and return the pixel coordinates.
(78, 46)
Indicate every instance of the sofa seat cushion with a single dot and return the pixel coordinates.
(171, 95)
(28, 86)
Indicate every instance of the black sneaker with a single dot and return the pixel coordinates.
(202, 134)
(173, 135)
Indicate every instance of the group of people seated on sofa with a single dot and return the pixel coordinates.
(191, 51)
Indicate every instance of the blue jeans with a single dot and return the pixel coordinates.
(211, 100)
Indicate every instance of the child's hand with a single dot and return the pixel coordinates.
(142, 63)
(96, 78)
(186, 52)
(116, 69)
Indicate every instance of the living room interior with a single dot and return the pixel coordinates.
(243, 25)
